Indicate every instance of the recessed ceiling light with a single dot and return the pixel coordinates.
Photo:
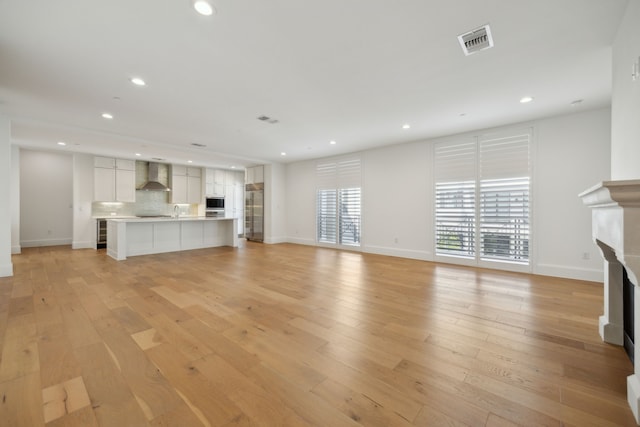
(332, 142)
(526, 99)
(189, 161)
(203, 7)
(138, 154)
(283, 154)
(406, 126)
(138, 81)
(62, 143)
(107, 116)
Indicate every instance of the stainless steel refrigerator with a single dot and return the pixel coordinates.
(254, 212)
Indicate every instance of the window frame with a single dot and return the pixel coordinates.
(479, 259)
(341, 176)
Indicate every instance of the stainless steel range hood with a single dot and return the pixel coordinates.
(153, 183)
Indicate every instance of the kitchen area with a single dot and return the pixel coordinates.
(151, 207)
(160, 207)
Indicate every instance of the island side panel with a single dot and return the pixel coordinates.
(166, 236)
(139, 238)
(233, 232)
(193, 235)
(117, 240)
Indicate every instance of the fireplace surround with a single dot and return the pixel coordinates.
(615, 228)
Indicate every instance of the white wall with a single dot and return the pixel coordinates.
(572, 154)
(84, 227)
(6, 266)
(301, 202)
(46, 198)
(15, 200)
(625, 102)
(397, 185)
(275, 230)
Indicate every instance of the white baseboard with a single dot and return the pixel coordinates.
(299, 241)
(83, 245)
(15, 250)
(45, 242)
(402, 253)
(275, 240)
(6, 270)
(588, 274)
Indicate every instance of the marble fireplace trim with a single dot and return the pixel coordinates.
(615, 228)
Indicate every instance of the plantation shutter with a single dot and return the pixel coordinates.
(455, 199)
(338, 201)
(349, 202)
(326, 202)
(504, 187)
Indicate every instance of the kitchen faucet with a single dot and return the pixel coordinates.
(176, 211)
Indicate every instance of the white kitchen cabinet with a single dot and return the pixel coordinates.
(114, 180)
(218, 182)
(215, 182)
(186, 184)
(208, 182)
(254, 175)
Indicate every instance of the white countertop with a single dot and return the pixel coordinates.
(165, 219)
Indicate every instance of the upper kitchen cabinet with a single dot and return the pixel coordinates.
(186, 184)
(114, 180)
(214, 182)
(254, 175)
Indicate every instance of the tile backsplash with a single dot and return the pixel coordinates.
(147, 203)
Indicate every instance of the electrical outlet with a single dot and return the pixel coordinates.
(586, 255)
(395, 240)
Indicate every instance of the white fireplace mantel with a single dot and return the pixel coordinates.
(615, 228)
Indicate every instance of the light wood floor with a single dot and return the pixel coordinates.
(287, 335)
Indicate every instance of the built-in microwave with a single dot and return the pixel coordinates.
(215, 205)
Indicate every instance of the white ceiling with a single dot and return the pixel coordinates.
(353, 71)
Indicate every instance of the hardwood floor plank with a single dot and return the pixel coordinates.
(209, 404)
(291, 335)
(80, 329)
(64, 398)
(20, 350)
(358, 406)
(57, 359)
(152, 391)
(20, 405)
(112, 400)
(84, 417)
(308, 406)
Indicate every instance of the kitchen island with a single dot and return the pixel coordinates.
(145, 236)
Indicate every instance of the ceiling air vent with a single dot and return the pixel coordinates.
(268, 119)
(476, 40)
(195, 144)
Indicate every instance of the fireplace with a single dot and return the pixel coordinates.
(615, 213)
(628, 315)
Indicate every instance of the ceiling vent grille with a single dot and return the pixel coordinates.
(268, 119)
(476, 40)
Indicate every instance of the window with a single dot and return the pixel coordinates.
(338, 202)
(482, 188)
(455, 203)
